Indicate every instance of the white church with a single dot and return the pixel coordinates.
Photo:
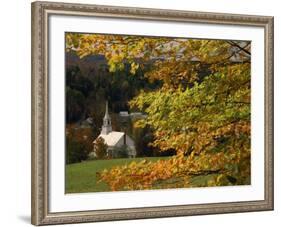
(115, 139)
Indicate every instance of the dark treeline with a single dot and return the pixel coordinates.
(88, 85)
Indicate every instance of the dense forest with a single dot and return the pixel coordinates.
(89, 84)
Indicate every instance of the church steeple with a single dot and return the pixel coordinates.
(106, 127)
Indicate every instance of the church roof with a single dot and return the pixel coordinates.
(112, 138)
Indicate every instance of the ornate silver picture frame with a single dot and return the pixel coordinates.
(42, 213)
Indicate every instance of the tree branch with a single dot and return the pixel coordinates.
(239, 47)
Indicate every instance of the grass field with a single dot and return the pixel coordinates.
(81, 177)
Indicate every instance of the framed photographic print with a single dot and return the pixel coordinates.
(145, 113)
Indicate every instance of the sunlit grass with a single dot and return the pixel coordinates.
(81, 177)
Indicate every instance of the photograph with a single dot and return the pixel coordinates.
(152, 112)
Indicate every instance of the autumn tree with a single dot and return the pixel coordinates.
(100, 148)
(202, 109)
(78, 143)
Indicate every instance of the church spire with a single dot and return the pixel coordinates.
(106, 127)
(106, 110)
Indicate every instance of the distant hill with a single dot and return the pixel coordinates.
(91, 63)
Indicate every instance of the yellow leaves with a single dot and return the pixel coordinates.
(139, 124)
(115, 62)
(134, 67)
(143, 162)
(133, 164)
(181, 59)
(178, 169)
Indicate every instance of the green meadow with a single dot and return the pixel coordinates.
(81, 177)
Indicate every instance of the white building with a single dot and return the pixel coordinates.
(124, 114)
(115, 139)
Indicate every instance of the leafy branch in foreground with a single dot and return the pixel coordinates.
(175, 172)
(209, 126)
